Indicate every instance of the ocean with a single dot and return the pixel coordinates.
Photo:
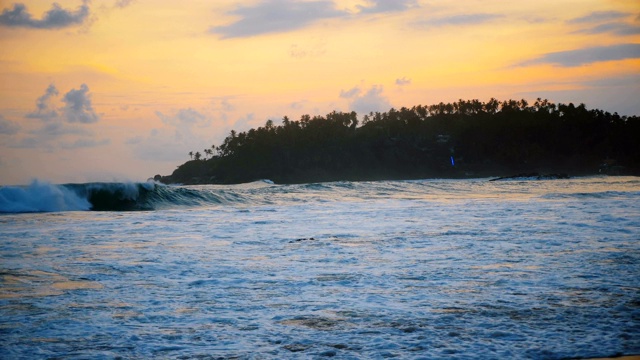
(521, 268)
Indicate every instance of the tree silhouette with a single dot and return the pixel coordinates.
(485, 139)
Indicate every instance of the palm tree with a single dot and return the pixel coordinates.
(191, 154)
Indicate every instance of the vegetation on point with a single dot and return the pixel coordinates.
(461, 139)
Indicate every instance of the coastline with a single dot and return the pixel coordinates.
(490, 176)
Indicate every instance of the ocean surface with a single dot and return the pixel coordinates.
(428, 269)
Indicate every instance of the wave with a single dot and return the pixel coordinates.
(41, 196)
(45, 197)
(592, 195)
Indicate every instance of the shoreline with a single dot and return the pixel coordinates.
(536, 176)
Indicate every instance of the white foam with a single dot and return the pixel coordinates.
(40, 196)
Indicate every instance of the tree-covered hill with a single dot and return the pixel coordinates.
(461, 139)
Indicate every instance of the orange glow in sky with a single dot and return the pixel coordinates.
(124, 89)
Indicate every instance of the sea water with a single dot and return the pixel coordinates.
(429, 269)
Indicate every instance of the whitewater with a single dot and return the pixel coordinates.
(426, 269)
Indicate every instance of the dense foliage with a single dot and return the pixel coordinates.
(461, 139)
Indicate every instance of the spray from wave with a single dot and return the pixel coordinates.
(40, 197)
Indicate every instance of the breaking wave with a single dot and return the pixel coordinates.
(41, 196)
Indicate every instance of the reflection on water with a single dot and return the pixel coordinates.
(38, 283)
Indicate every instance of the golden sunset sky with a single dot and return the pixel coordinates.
(120, 90)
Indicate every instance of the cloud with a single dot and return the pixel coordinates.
(183, 132)
(184, 117)
(381, 6)
(134, 140)
(183, 123)
(45, 109)
(599, 16)
(588, 55)
(244, 123)
(50, 135)
(63, 124)
(78, 108)
(535, 19)
(607, 22)
(223, 104)
(123, 3)
(160, 146)
(226, 105)
(461, 20)
(372, 100)
(30, 143)
(350, 93)
(8, 127)
(403, 81)
(55, 18)
(297, 105)
(275, 16)
(616, 28)
(628, 80)
(613, 94)
(85, 143)
(55, 129)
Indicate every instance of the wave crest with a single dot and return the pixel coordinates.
(41, 196)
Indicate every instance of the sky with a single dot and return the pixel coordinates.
(122, 90)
